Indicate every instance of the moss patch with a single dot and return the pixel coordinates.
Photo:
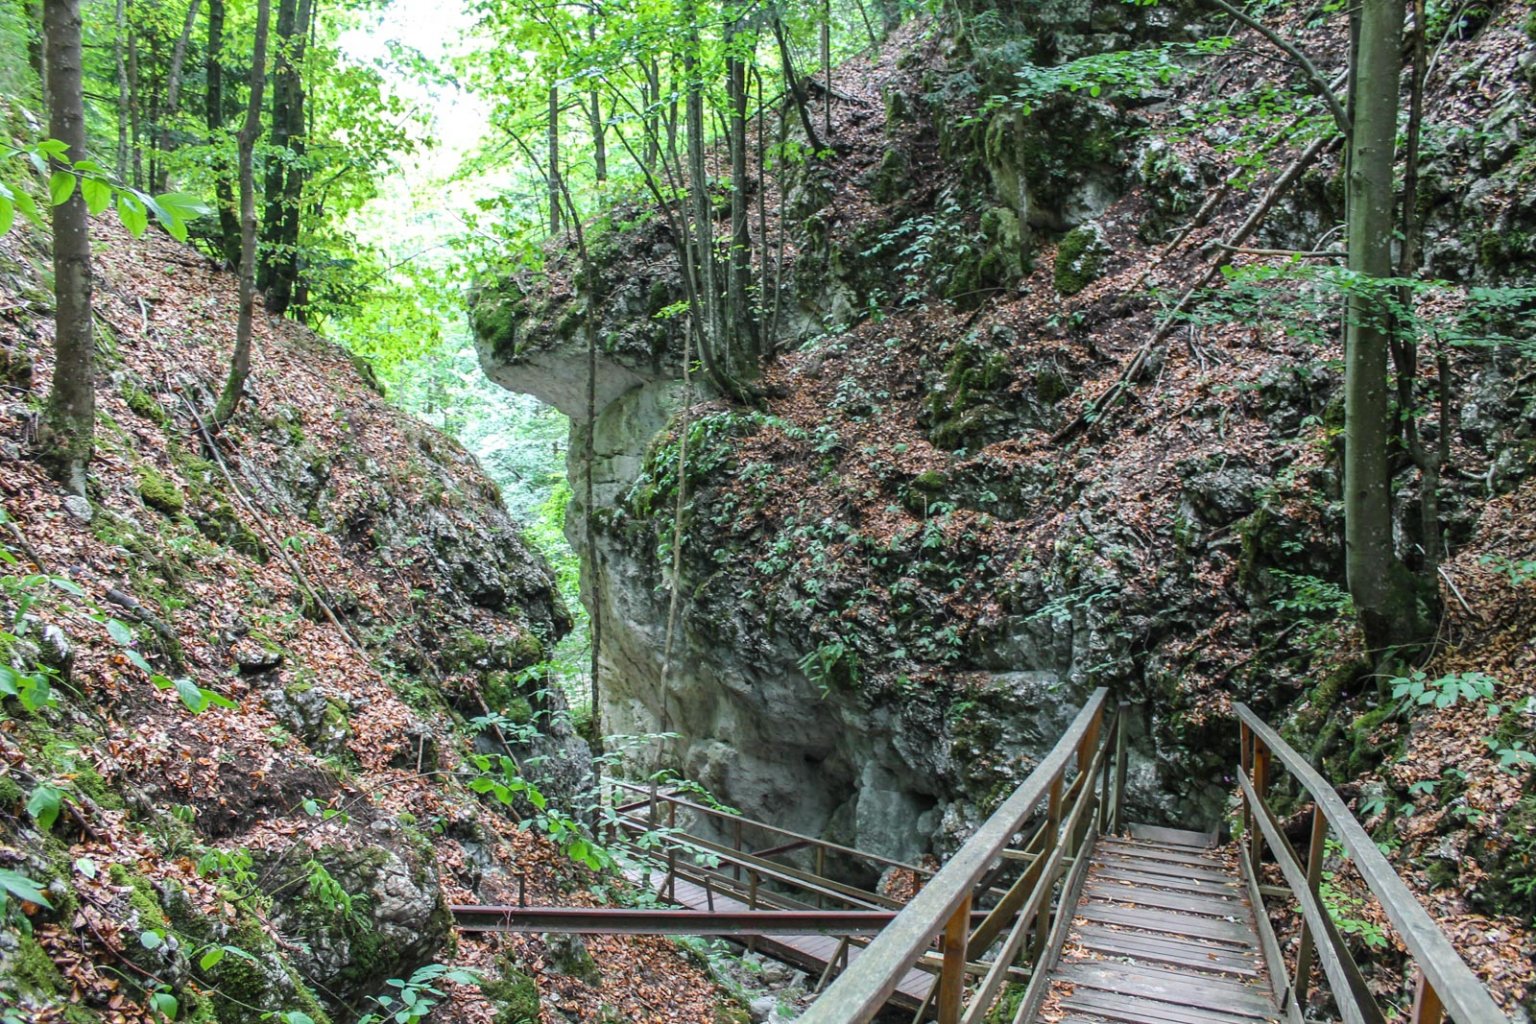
(515, 995)
(1079, 260)
(159, 492)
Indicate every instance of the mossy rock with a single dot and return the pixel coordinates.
(144, 405)
(1079, 260)
(893, 178)
(514, 993)
(159, 492)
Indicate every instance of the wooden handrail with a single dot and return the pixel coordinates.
(1449, 980)
(864, 987)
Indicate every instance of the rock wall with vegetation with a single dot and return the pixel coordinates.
(270, 705)
(955, 511)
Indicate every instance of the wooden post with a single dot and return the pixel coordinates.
(1314, 878)
(737, 845)
(826, 974)
(821, 872)
(952, 974)
(1121, 715)
(709, 894)
(1260, 790)
(1427, 1008)
(1245, 759)
(1053, 836)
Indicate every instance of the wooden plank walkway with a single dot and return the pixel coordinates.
(810, 953)
(1162, 934)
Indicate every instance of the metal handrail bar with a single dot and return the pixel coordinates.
(868, 982)
(778, 872)
(847, 851)
(1446, 979)
(652, 921)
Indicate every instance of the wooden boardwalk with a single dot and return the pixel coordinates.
(811, 953)
(1163, 934)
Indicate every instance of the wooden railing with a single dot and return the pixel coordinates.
(738, 869)
(1075, 813)
(1445, 985)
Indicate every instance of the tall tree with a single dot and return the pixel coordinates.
(229, 218)
(69, 427)
(240, 361)
(285, 170)
(1382, 588)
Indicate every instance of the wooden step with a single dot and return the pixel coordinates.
(1172, 836)
(1166, 949)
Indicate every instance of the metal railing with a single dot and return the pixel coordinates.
(1027, 917)
(1445, 985)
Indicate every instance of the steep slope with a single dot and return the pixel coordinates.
(347, 585)
(983, 481)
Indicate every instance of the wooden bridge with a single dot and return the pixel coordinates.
(1053, 910)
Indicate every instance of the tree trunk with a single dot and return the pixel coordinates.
(792, 82)
(120, 58)
(743, 325)
(554, 160)
(240, 362)
(595, 101)
(173, 94)
(69, 427)
(1382, 588)
(652, 148)
(36, 49)
(284, 187)
(826, 66)
(135, 101)
(229, 220)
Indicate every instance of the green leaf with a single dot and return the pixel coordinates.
(211, 958)
(120, 632)
(97, 193)
(191, 695)
(151, 939)
(133, 214)
(68, 586)
(86, 867)
(61, 185)
(166, 1004)
(44, 805)
(53, 147)
(23, 888)
(7, 214)
(138, 659)
(28, 209)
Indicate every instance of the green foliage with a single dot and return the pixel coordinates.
(502, 779)
(1418, 690)
(832, 666)
(415, 998)
(1519, 570)
(97, 187)
(332, 898)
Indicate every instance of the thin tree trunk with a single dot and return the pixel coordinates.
(1379, 584)
(70, 424)
(173, 92)
(120, 58)
(554, 160)
(599, 127)
(135, 102)
(240, 361)
(792, 82)
(36, 50)
(826, 66)
(652, 119)
(743, 325)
